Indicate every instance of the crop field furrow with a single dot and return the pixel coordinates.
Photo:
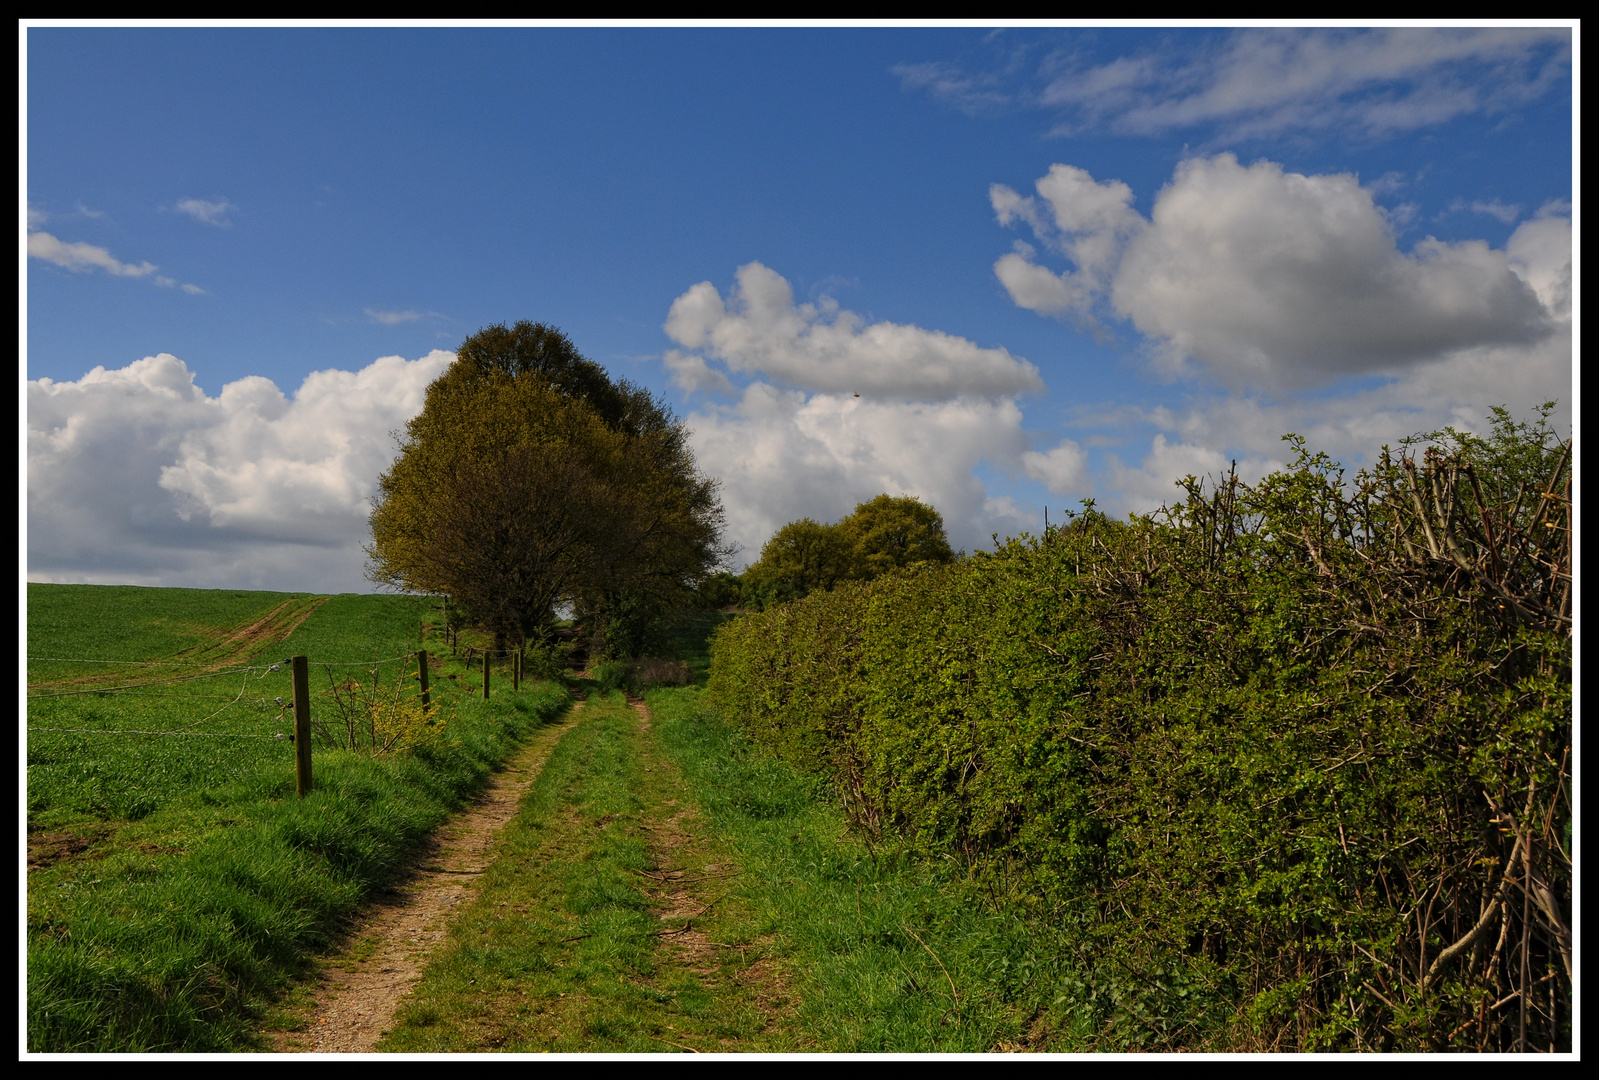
(217, 648)
(246, 641)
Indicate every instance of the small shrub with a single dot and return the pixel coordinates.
(636, 676)
(547, 660)
(377, 718)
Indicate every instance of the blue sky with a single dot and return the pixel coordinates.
(1053, 263)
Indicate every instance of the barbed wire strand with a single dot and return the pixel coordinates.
(196, 663)
(130, 663)
(159, 694)
(235, 701)
(156, 682)
(131, 689)
(184, 730)
(367, 663)
(111, 731)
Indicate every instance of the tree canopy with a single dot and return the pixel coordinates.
(887, 533)
(802, 557)
(882, 534)
(531, 478)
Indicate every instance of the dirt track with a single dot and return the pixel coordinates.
(359, 989)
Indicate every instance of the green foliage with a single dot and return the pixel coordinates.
(546, 660)
(378, 712)
(1273, 753)
(497, 499)
(609, 675)
(890, 534)
(640, 674)
(881, 535)
(633, 621)
(549, 357)
(721, 590)
(802, 557)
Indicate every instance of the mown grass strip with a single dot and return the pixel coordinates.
(884, 953)
(673, 888)
(604, 924)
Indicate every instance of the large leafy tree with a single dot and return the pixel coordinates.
(888, 533)
(662, 548)
(882, 534)
(531, 478)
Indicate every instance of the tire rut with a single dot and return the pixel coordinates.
(359, 989)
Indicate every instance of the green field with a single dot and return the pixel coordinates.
(175, 881)
(105, 661)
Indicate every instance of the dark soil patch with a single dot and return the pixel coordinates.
(45, 849)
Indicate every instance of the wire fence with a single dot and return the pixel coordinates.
(172, 692)
(140, 731)
(158, 682)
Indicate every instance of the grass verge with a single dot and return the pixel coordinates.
(883, 953)
(669, 887)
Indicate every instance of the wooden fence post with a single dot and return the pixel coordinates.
(516, 670)
(485, 674)
(422, 674)
(302, 725)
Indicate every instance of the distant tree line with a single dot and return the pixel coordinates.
(806, 556)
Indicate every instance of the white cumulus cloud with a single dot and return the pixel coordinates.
(1152, 482)
(1540, 254)
(842, 410)
(1206, 435)
(690, 372)
(137, 475)
(783, 455)
(758, 329)
(1063, 469)
(1267, 276)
